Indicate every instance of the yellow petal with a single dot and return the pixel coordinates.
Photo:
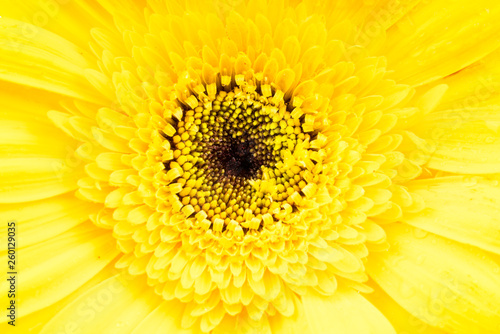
(369, 18)
(402, 321)
(31, 179)
(473, 87)
(44, 219)
(441, 282)
(34, 322)
(116, 305)
(18, 138)
(51, 270)
(295, 324)
(464, 141)
(15, 106)
(344, 312)
(464, 209)
(58, 16)
(242, 324)
(125, 13)
(25, 130)
(441, 37)
(37, 58)
(164, 319)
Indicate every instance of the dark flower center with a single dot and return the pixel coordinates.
(237, 159)
(233, 159)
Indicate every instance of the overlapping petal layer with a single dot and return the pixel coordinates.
(350, 131)
(442, 282)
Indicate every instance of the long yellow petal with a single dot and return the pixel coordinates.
(441, 37)
(464, 141)
(461, 208)
(44, 219)
(402, 321)
(31, 179)
(242, 324)
(15, 106)
(58, 16)
(126, 13)
(295, 324)
(32, 139)
(166, 318)
(345, 312)
(51, 270)
(37, 58)
(473, 87)
(441, 282)
(116, 305)
(34, 322)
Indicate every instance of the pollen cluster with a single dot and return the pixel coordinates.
(228, 152)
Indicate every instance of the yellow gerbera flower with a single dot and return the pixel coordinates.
(262, 166)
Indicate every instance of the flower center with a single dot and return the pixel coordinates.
(228, 152)
(238, 159)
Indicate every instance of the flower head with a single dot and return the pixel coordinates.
(260, 165)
